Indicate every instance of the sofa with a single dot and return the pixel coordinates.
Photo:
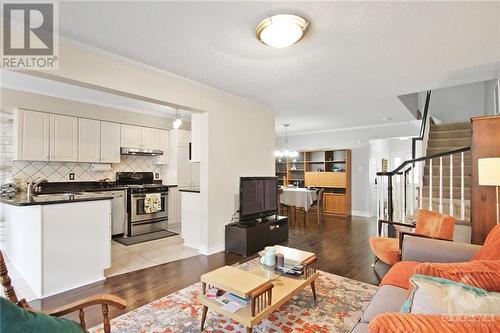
(394, 287)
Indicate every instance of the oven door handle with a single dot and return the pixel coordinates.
(143, 195)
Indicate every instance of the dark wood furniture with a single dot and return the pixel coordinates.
(249, 237)
(485, 143)
(103, 300)
(326, 169)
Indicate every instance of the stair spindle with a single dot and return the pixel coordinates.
(430, 184)
(379, 216)
(462, 202)
(412, 188)
(441, 185)
(401, 196)
(451, 186)
(421, 182)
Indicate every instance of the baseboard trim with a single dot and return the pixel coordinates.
(360, 213)
(208, 250)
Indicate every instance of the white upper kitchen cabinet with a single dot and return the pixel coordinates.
(150, 138)
(89, 140)
(110, 142)
(63, 138)
(131, 136)
(165, 147)
(196, 123)
(31, 134)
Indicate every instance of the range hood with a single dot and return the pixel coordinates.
(140, 151)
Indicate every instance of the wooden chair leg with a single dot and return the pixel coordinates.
(313, 288)
(107, 324)
(203, 317)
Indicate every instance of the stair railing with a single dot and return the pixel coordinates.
(396, 193)
(424, 129)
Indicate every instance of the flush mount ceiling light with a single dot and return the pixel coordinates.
(281, 30)
(178, 121)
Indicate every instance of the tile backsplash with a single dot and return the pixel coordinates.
(59, 171)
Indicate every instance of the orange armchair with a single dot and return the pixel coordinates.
(429, 225)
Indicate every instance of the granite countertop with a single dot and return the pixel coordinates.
(22, 199)
(193, 189)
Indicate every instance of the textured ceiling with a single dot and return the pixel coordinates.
(348, 71)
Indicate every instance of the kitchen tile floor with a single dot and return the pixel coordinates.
(124, 259)
(134, 257)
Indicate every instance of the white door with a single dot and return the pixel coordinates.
(182, 138)
(89, 140)
(63, 138)
(110, 142)
(183, 167)
(131, 136)
(196, 119)
(150, 138)
(32, 135)
(195, 174)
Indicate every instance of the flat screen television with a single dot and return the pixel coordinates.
(258, 197)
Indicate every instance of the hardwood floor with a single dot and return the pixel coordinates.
(341, 245)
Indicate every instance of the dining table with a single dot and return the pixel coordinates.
(298, 197)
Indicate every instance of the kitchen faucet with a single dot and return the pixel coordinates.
(34, 186)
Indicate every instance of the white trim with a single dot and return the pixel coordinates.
(208, 250)
(350, 128)
(360, 213)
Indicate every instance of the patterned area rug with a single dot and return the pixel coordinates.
(338, 308)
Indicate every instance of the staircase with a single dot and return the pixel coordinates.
(443, 138)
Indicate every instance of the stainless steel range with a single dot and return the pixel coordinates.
(142, 220)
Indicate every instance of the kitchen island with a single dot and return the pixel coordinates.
(58, 242)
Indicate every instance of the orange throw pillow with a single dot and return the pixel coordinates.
(491, 246)
(483, 274)
(405, 322)
(399, 275)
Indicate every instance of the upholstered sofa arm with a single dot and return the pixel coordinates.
(433, 250)
(406, 322)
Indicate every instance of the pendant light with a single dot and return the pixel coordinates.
(178, 121)
(285, 152)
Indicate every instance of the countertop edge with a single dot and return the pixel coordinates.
(43, 203)
(192, 190)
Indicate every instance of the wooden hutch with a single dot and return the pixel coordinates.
(327, 169)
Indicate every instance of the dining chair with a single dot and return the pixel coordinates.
(282, 207)
(318, 203)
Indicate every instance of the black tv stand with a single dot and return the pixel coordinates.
(248, 237)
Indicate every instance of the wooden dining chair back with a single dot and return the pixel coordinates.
(319, 204)
(103, 300)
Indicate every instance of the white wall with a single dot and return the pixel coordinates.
(492, 97)
(384, 149)
(460, 103)
(13, 98)
(356, 139)
(238, 136)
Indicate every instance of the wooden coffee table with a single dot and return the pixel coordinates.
(267, 288)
